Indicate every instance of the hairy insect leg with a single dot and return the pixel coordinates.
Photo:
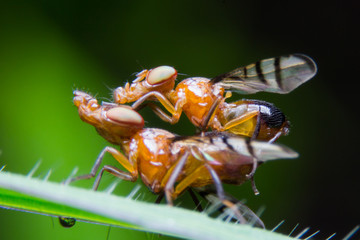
(174, 174)
(159, 198)
(129, 176)
(254, 167)
(114, 171)
(277, 135)
(257, 127)
(174, 110)
(220, 190)
(221, 195)
(160, 97)
(157, 110)
(217, 182)
(201, 171)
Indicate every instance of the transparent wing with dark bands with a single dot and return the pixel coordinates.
(278, 75)
(222, 141)
(263, 151)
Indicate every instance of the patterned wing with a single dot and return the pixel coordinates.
(278, 75)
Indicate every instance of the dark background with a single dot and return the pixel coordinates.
(49, 48)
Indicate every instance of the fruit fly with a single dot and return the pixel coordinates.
(168, 163)
(203, 99)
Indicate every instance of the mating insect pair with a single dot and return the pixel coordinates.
(163, 159)
(170, 164)
(203, 100)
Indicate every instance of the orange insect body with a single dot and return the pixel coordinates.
(156, 156)
(162, 159)
(203, 100)
(150, 149)
(169, 164)
(197, 96)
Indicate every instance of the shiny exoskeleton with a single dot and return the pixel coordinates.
(268, 122)
(167, 163)
(203, 99)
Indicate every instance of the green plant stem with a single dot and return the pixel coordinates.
(35, 195)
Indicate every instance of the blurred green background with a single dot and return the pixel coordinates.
(50, 48)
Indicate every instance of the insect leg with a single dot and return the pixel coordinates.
(157, 110)
(221, 194)
(160, 97)
(257, 127)
(254, 167)
(131, 176)
(159, 198)
(174, 110)
(169, 187)
(116, 172)
(199, 172)
(219, 188)
(253, 186)
(205, 123)
(189, 179)
(217, 182)
(277, 135)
